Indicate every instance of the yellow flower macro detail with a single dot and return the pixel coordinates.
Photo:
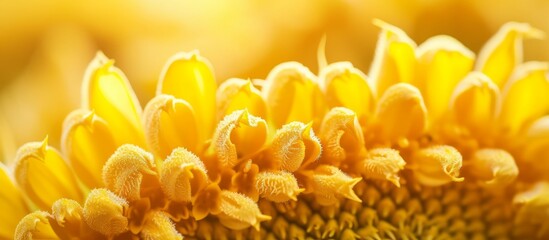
(433, 143)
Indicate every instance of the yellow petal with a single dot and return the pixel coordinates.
(382, 163)
(35, 225)
(104, 212)
(88, 142)
(237, 94)
(524, 98)
(171, 123)
(400, 113)
(190, 77)
(294, 146)
(532, 212)
(239, 212)
(292, 94)
(437, 165)
(43, 175)
(239, 135)
(499, 56)
(473, 102)
(535, 147)
(442, 62)
(182, 175)
(277, 186)
(159, 226)
(69, 221)
(124, 171)
(394, 59)
(346, 86)
(340, 135)
(12, 204)
(329, 183)
(107, 92)
(494, 166)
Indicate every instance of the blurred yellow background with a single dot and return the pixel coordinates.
(45, 46)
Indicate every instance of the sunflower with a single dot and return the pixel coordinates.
(434, 144)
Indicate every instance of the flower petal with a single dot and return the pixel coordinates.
(340, 135)
(524, 98)
(107, 92)
(159, 226)
(104, 212)
(280, 186)
(124, 171)
(473, 102)
(237, 94)
(382, 163)
(11, 204)
(437, 165)
(294, 146)
(292, 94)
(494, 166)
(182, 175)
(239, 135)
(394, 59)
(533, 205)
(535, 147)
(190, 77)
(35, 225)
(69, 220)
(499, 56)
(400, 113)
(170, 123)
(239, 212)
(88, 142)
(346, 86)
(442, 62)
(44, 176)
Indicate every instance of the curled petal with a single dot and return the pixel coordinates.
(473, 102)
(239, 135)
(11, 204)
(292, 94)
(383, 163)
(190, 77)
(182, 175)
(536, 147)
(107, 92)
(278, 186)
(43, 175)
(88, 142)
(35, 225)
(124, 171)
(437, 165)
(503, 51)
(394, 59)
(533, 205)
(528, 86)
(329, 183)
(104, 212)
(239, 212)
(401, 113)
(171, 123)
(294, 146)
(340, 135)
(345, 86)
(159, 226)
(495, 166)
(237, 94)
(69, 220)
(207, 201)
(442, 62)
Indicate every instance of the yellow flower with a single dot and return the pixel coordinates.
(432, 145)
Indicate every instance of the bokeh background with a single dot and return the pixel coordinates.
(45, 46)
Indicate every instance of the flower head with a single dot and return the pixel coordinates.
(434, 143)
